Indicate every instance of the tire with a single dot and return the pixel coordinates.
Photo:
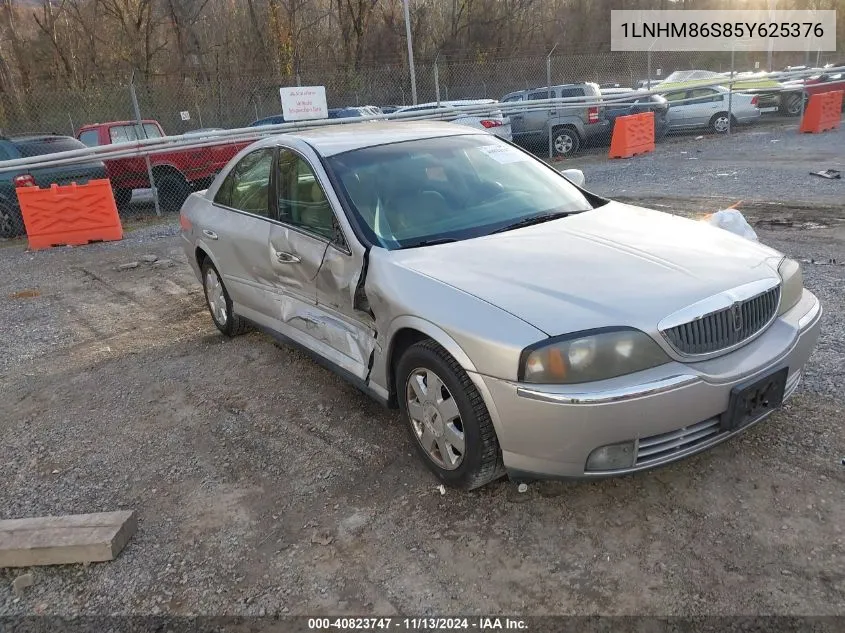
(438, 418)
(122, 197)
(173, 191)
(11, 221)
(219, 303)
(719, 123)
(792, 107)
(565, 142)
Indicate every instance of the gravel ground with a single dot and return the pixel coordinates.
(266, 485)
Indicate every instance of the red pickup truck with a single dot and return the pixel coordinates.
(176, 172)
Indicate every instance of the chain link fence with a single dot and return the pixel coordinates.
(39, 120)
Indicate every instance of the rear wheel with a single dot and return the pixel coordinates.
(219, 303)
(11, 222)
(173, 190)
(721, 122)
(565, 141)
(792, 105)
(446, 417)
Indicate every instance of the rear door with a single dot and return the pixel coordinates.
(236, 231)
(702, 105)
(535, 119)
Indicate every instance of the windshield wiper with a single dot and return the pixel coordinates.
(534, 219)
(432, 242)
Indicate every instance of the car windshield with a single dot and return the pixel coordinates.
(450, 188)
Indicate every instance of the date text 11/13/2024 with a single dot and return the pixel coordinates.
(418, 624)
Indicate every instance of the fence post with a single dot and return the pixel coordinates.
(549, 91)
(410, 53)
(141, 127)
(731, 90)
(437, 80)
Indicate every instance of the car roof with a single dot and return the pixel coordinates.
(458, 102)
(37, 138)
(330, 140)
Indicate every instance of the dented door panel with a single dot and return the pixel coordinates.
(347, 325)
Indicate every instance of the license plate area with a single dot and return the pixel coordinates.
(752, 401)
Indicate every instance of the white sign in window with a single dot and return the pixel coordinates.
(301, 103)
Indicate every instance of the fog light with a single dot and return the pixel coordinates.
(612, 457)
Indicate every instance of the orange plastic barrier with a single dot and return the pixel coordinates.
(70, 214)
(823, 112)
(632, 135)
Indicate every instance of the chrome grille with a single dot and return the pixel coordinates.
(725, 328)
(659, 448)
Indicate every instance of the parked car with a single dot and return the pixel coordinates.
(16, 147)
(176, 172)
(570, 126)
(276, 119)
(519, 322)
(707, 108)
(493, 121)
(621, 102)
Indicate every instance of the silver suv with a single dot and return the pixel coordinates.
(570, 125)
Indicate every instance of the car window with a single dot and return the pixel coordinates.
(455, 187)
(247, 186)
(302, 201)
(512, 98)
(4, 154)
(703, 95)
(133, 132)
(91, 138)
(540, 94)
(571, 92)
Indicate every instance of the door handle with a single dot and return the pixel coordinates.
(287, 258)
(209, 234)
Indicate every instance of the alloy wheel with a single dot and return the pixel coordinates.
(216, 297)
(435, 418)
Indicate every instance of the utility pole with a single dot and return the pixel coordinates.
(410, 53)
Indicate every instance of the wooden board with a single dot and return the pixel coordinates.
(59, 540)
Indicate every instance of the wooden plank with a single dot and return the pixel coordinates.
(59, 540)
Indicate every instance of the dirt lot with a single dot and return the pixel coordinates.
(264, 484)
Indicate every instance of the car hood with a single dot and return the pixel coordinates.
(615, 265)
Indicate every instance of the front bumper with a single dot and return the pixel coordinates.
(671, 411)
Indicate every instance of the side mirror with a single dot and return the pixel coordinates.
(575, 176)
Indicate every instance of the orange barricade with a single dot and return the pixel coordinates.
(823, 112)
(70, 214)
(632, 135)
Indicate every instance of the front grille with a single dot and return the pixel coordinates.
(725, 328)
(659, 448)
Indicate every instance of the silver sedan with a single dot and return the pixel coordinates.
(519, 322)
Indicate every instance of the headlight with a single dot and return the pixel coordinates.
(792, 286)
(590, 355)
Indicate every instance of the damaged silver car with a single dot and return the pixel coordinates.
(520, 323)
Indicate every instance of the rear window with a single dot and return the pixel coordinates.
(128, 133)
(47, 145)
(571, 92)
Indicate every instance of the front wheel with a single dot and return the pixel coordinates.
(565, 142)
(792, 106)
(11, 221)
(446, 417)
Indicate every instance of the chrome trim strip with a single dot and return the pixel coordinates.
(611, 395)
(811, 315)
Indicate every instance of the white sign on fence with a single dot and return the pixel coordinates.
(186, 116)
(300, 103)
